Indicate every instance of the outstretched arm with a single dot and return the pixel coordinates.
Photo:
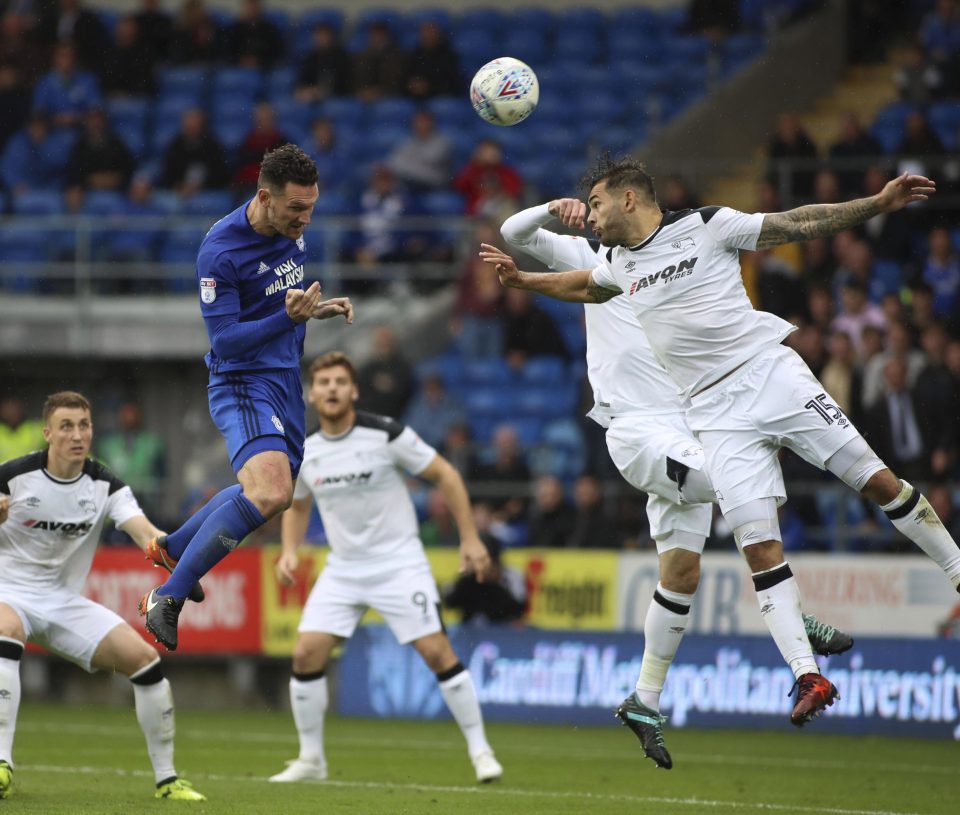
(576, 286)
(820, 220)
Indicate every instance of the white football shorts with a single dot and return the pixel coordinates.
(770, 402)
(407, 599)
(639, 446)
(66, 623)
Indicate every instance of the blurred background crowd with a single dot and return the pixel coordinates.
(130, 132)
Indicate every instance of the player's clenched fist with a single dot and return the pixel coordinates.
(301, 303)
(503, 264)
(286, 568)
(4, 508)
(571, 212)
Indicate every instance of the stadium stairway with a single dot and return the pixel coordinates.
(863, 90)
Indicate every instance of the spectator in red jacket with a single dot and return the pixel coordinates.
(489, 185)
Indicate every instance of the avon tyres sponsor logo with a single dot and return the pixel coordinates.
(288, 274)
(668, 275)
(66, 528)
(346, 479)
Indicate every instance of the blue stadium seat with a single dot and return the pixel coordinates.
(476, 47)
(181, 246)
(346, 110)
(280, 82)
(281, 19)
(620, 139)
(634, 18)
(519, 143)
(212, 203)
(494, 402)
(688, 49)
(104, 202)
(38, 202)
(128, 109)
(489, 20)
(529, 45)
(22, 254)
(944, 117)
(449, 367)
(230, 132)
(529, 429)
(627, 44)
(186, 79)
(587, 20)
(485, 371)
(292, 114)
(245, 82)
(546, 402)
(321, 16)
(450, 111)
(562, 451)
(579, 47)
(894, 113)
(316, 246)
(134, 136)
(602, 108)
(391, 112)
(171, 108)
(641, 76)
(544, 371)
(162, 133)
(333, 203)
(441, 202)
(440, 16)
(889, 134)
(532, 19)
(672, 19)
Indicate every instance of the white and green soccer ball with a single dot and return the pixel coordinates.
(505, 91)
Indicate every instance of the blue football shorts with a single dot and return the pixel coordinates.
(257, 411)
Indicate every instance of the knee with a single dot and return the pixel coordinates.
(437, 654)
(683, 578)
(271, 499)
(882, 487)
(12, 630)
(307, 658)
(134, 659)
(762, 556)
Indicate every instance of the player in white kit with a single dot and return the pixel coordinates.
(53, 504)
(354, 468)
(654, 449)
(745, 394)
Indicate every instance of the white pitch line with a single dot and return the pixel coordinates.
(499, 791)
(439, 745)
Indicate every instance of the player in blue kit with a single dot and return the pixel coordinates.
(250, 273)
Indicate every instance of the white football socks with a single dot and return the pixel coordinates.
(154, 706)
(461, 697)
(9, 695)
(779, 598)
(308, 701)
(663, 630)
(911, 513)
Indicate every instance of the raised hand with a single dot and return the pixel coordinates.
(474, 558)
(301, 303)
(571, 212)
(502, 263)
(903, 190)
(334, 307)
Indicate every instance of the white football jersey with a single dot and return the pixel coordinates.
(684, 285)
(624, 373)
(357, 482)
(53, 527)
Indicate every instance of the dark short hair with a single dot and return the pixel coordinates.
(619, 174)
(287, 164)
(64, 399)
(333, 359)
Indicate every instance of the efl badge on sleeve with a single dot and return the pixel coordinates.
(208, 289)
(301, 244)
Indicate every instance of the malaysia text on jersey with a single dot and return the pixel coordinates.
(243, 281)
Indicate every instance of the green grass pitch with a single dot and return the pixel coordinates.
(85, 759)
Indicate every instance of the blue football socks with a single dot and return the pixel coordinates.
(216, 538)
(178, 541)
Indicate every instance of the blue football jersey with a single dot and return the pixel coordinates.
(244, 277)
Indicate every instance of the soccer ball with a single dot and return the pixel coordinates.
(505, 91)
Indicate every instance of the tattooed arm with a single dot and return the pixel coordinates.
(820, 220)
(576, 286)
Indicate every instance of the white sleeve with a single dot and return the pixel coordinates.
(301, 489)
(732, 228)
(411, 452)
(560, 252)
(122, 506)
(603, 276)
